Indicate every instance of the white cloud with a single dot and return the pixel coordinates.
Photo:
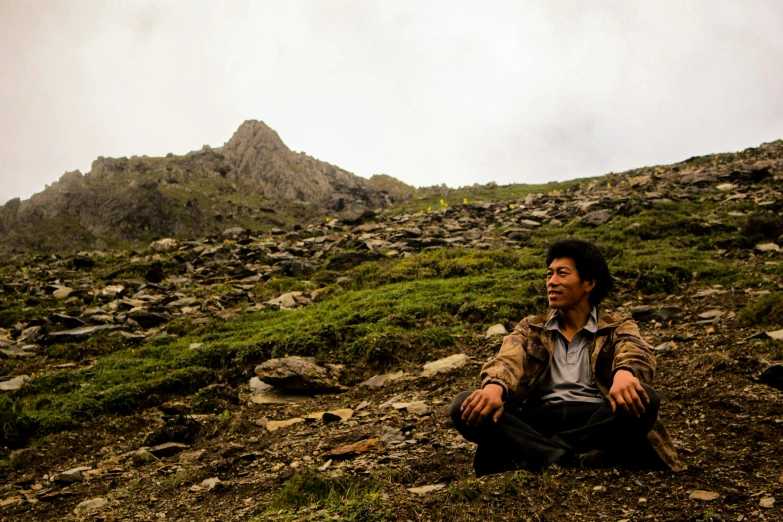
(427, 91)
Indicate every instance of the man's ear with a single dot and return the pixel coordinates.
(588, 285)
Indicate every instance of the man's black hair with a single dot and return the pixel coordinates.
(589, 263)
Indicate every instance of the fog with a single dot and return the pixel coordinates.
(430, 92)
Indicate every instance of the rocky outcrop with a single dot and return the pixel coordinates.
(254, 179)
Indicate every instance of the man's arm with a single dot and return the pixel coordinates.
(498, 377)
(634, 363)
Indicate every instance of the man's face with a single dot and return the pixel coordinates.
(565, 289)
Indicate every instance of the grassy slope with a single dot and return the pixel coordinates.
(396, 308)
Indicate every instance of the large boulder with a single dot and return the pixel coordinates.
(300, 374)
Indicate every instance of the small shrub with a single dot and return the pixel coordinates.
(759, 227)
(656, 282)
(768, 310)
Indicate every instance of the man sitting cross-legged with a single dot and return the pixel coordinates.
(570, 386)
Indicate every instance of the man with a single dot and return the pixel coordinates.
(568, 387)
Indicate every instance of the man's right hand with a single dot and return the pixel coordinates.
(482, 404)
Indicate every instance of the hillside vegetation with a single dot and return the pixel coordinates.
(182, 325)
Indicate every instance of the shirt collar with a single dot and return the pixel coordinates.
(591, 326)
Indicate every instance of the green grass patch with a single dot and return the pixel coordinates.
(348, 497)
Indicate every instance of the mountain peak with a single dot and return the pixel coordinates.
(253, 134)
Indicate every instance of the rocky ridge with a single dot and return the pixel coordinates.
(254, 179)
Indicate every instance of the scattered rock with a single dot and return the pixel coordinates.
(418, 408)
(211, 483)
(88, 507)
(650, 313)
(71, 476)
(331, 416)
(142, 457)
(284, 301)
(391, 435)
(168, 449)
(768, 247)
(777, 335)
(498, 329)
(263, 393)
(423, 490)
(299, 374)
(164, 245)
(276, 425)
(14, 383)
(62, 293)
(352, 450)
(379, 380)
(445, 365)
(597, 218)
(78, 334)
(767, 502)
(700, 494)
(665, 347)
(191, 456)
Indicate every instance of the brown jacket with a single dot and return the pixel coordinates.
(526, 354)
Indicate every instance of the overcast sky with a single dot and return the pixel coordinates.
(427, 91)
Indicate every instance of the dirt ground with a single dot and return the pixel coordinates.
(726, 425)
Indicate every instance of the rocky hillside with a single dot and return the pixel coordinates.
(305, 374)
(254, 180)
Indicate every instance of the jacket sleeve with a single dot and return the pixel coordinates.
(632, 353)
(506, 368)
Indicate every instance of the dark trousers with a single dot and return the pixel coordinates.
(534, 436)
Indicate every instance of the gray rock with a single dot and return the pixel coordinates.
(445, 365)
(71, 476)
(63, 292)
(597, 218)
(235, 232)
(650, 313)
(263, 393)
(168, 449)
(78, 334)
(142, 457)
(164, 245)
(493, 331)
(299, 374)
(665, 347)
(30, 334)
(14, 383)
(379, 380)
(768, 247)
(211, 483)
(423, 490)
(391, 435)
(15, 352)
(67, 320)
(284, 301)
(529, 223)
(418, 408)
(88, 507)
(148, 319)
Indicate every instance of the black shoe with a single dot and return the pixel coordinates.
(568, 460)
(595, 459)
(489, 461)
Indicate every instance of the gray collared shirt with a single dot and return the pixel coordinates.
(570, 377)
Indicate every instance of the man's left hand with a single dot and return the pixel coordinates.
(627, 393)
